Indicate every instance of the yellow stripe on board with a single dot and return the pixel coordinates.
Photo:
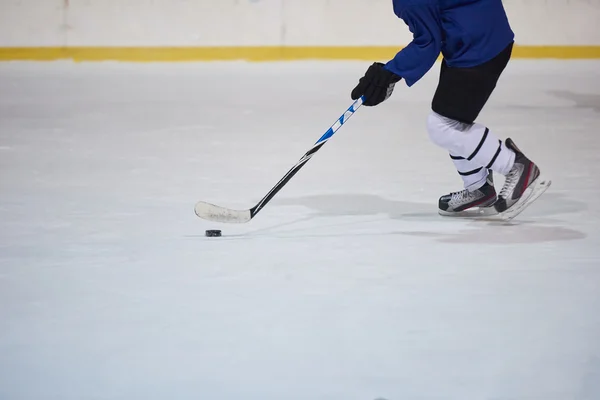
(564, 52)
(149, 54)
(260, 53)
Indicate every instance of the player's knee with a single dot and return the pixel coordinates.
(437, 129)
(446, 132)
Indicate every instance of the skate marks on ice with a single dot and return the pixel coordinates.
(581, 100)
(590, 385)
(355, 204)
(512, 234)
(535, 225)
(551, 205)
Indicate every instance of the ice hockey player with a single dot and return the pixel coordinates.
(476, 41)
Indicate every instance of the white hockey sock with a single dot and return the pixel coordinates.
(471, 173)
(472, 143)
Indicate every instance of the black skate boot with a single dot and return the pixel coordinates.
(520, 183)
(457, 203)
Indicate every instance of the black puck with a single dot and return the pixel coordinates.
(213, 233)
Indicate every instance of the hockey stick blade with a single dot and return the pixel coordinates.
(215, 213)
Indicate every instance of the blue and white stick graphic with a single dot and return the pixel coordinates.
(220, 214)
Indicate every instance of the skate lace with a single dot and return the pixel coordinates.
(459, 197)
(510, 183)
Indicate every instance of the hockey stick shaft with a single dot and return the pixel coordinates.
(307, 156)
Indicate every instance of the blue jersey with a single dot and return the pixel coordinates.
(466, 32)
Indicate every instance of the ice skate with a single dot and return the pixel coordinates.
(523, 185)
(469, 203)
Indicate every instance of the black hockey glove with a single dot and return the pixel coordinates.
(377, 85)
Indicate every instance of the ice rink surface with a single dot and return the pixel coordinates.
(348, 286)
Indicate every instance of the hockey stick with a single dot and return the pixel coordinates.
(215, 213)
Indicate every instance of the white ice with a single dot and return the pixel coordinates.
(348, 286)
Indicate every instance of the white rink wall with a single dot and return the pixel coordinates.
(139, 23)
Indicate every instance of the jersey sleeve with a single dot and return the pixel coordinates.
(412, 62)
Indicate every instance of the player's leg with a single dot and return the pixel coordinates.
(474, 149)
(458, 100)
(475, 154)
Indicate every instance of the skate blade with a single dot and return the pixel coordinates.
(475, 213)
(535, 190)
